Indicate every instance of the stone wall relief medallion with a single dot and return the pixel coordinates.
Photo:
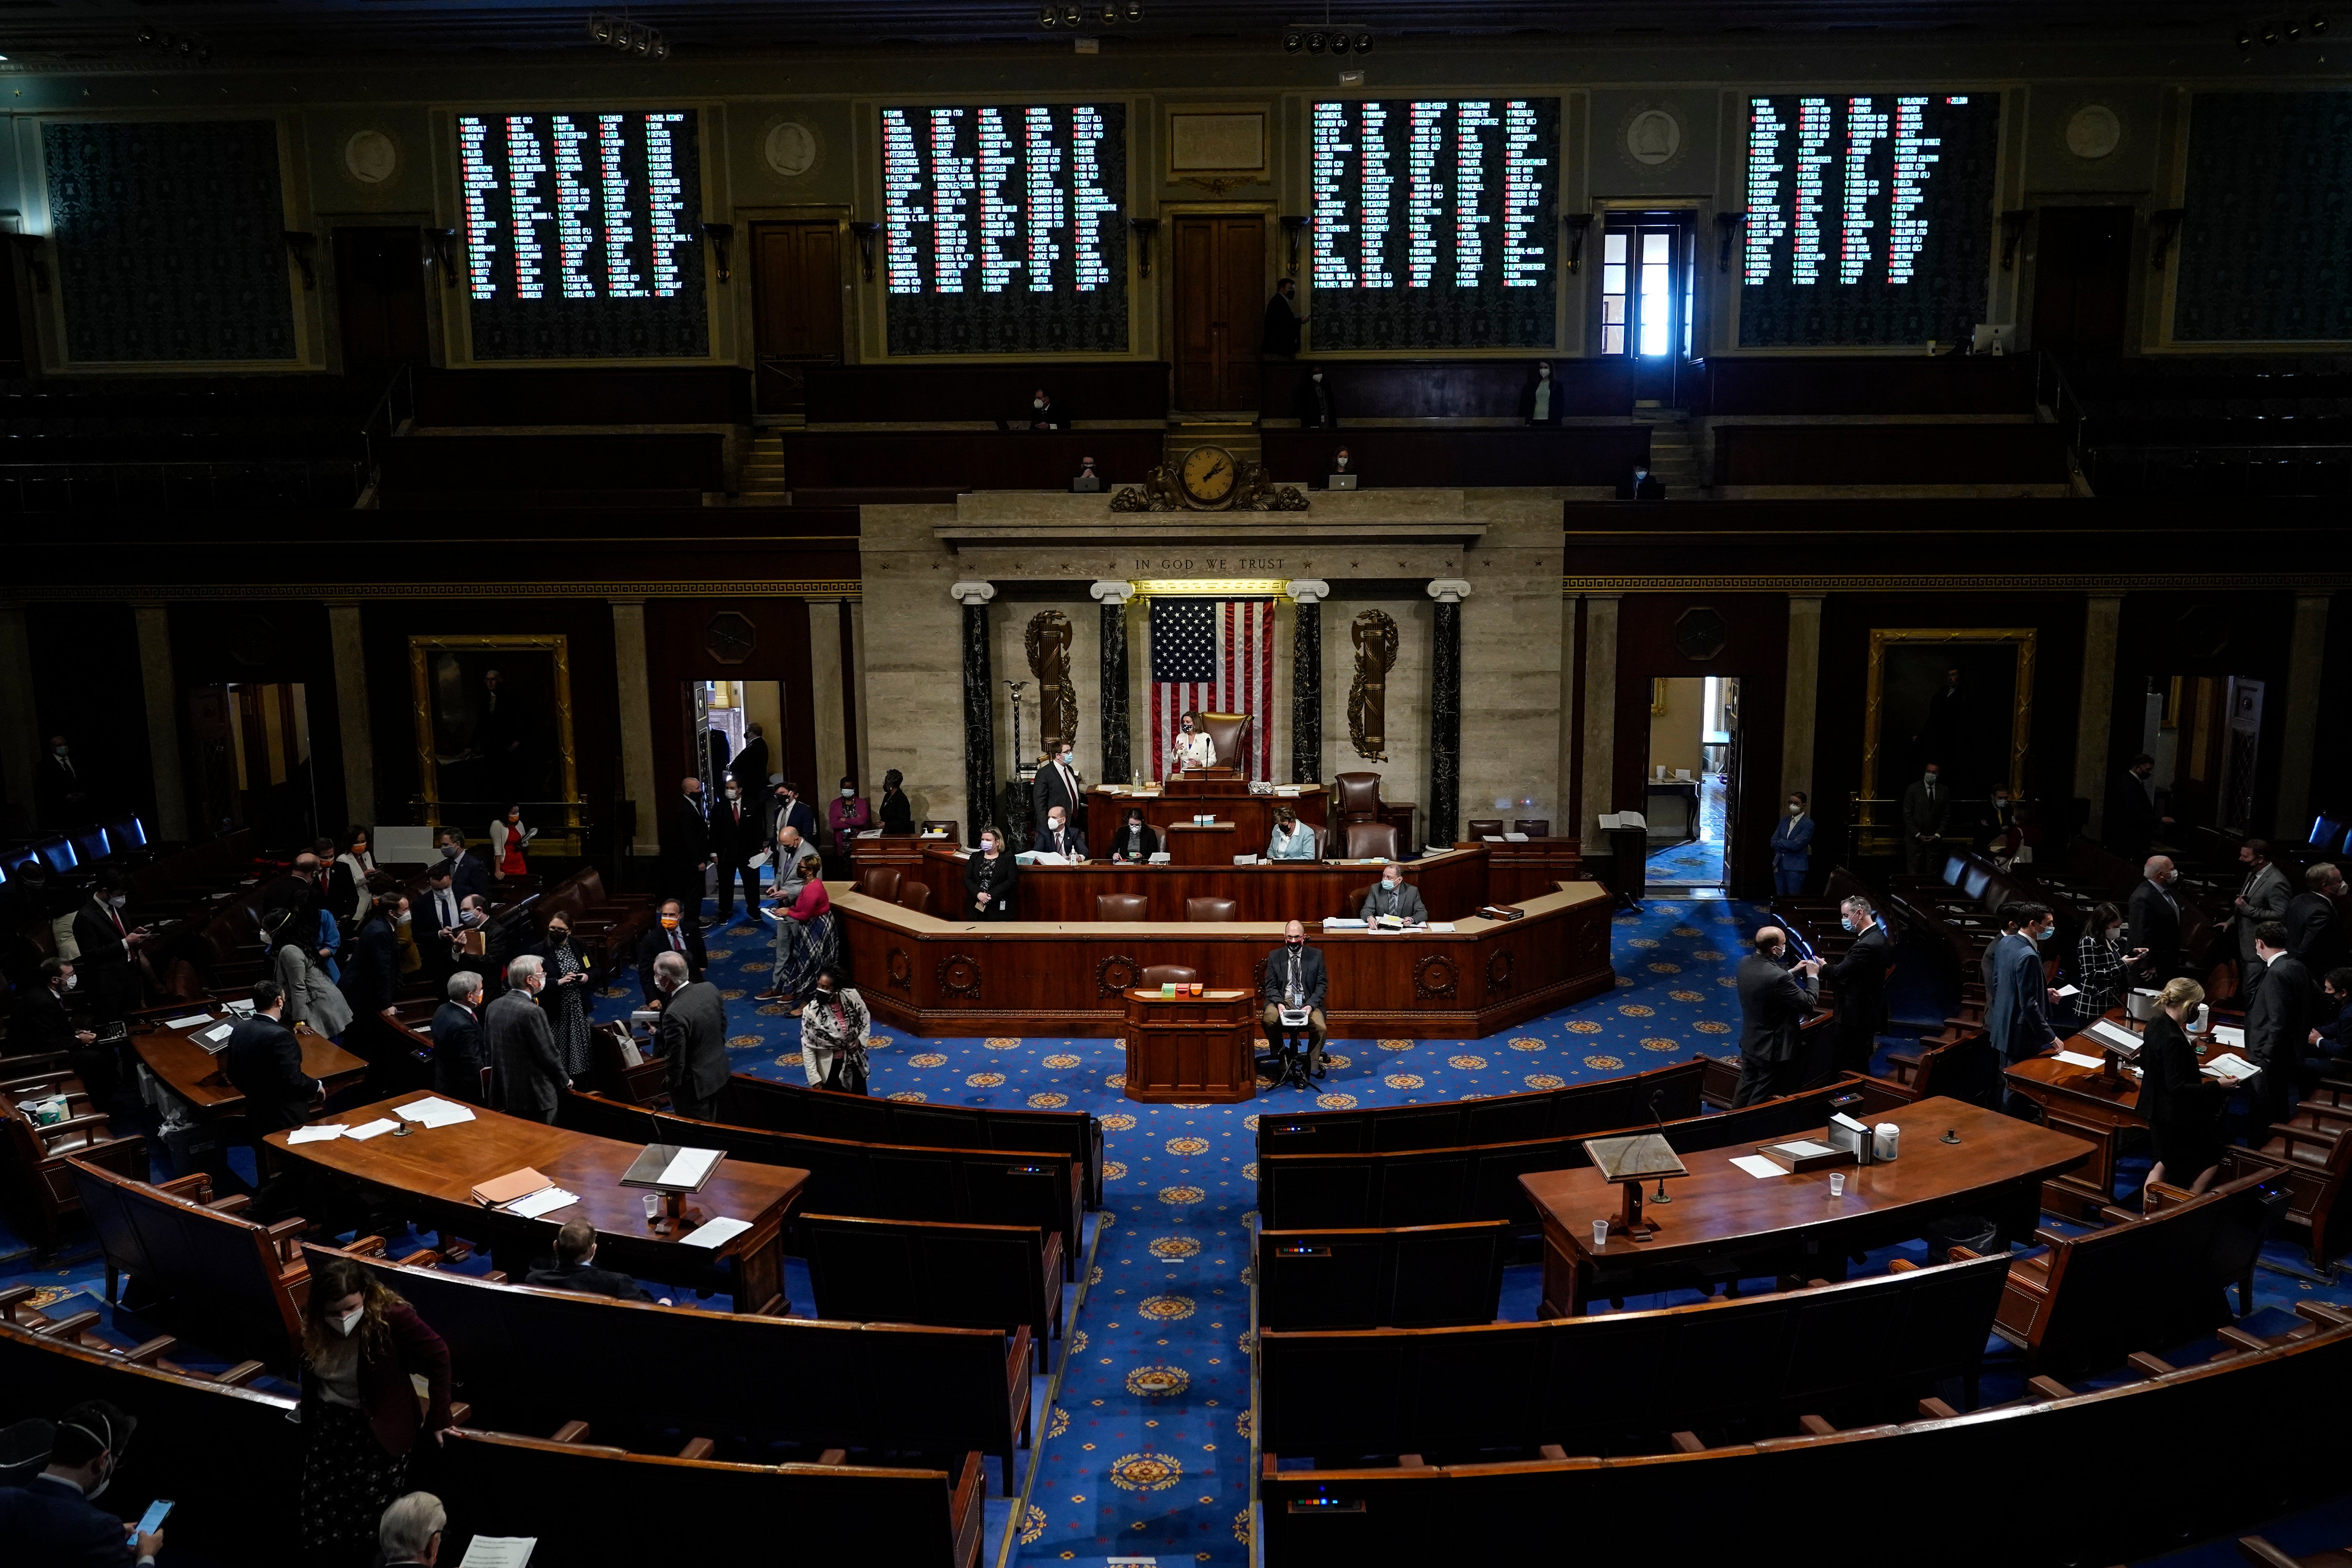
(370, 157)
(2094, 131)
(1654, 137)
(790, 149)
(1047, 644)
(1375, 638)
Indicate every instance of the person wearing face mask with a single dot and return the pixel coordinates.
(1193, 748)
(313, 1001)
(1291, 838)
(108, 949)
(2330, 1040)
(1057, 785)
(52, 1519)
(1058, 837)
(739, 831)
(38, 1024)
(362, 1345)
(990, 878)
(1312, 402)
(898, 812)
(1793, 845)
(1858, 979)
(835, 1029)
(522, 1045)
(795, 813)
(468, 872)
(2018, 998)
(2263, 897)
(507, 838)
(1541, 402)
(565, 1001)
(693, 1038)
(2101, 962)
(456, 1030)
(1138, 840)
(347, 882)
(846, 814)
(1043, 413)
(1393, 895)
(686, 847)
(1295, 977)
(2154, 912)
(668, 933)
(2279, 1018)
(1925, 805)
(1998, 830)
(807, 936)
(493, 941)
(403, 939)
(370, 982)
(1775, 996)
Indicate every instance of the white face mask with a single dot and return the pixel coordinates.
(734, 794)
(72, 981)
(118, 899)
(1795, 809)
(349, 1321)
(1052, 825)
(60, 751)
(1543, 372)
(403, 918)
(1036, 403)
(849, 794)
(1931, 781)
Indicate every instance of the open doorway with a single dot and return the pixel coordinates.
(1648, 300)
(2204, 732)
(1694, 768)
(732, 730)
(253, 760)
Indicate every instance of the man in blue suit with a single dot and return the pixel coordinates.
(1793, 844)
(2018, 997)
(54, 1520)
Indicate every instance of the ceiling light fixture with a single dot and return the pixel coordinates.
(628, 37)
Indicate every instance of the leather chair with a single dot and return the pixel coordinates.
(1360, 796)
(1533, 826)
(1211, 910)
(1479, 826)
(1122, 907)
(879, 882)
(1229, 735)
(1168, 975)
(1366, 840)
(915, 896)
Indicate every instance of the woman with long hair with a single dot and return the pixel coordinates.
(2101, 962)
(360, 1344)
(811, 942)
(508, 837)
(299, 964)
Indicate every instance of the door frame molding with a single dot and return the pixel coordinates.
(1164, 294)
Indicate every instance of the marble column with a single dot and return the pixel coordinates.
(1112, 596)
(1445, 711)
(20, 725)
(1803, 700)
(2094, 719)
(1599, 718)
(163, 688)
(634, 687)
(2305, 658)
(351, 725)
(826, 704)
(979, 709)
(1307, 678)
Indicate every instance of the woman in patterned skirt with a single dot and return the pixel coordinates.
(565, 1000)
(360, 1344)
(809, 942)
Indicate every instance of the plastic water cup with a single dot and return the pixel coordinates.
(1599, 1234)
(1837, 1184)
(653, 1206)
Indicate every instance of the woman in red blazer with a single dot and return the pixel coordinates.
(361, 1343)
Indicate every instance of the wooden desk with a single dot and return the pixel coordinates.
(1721, 1214)
(1252, 815)
(1515, 871)
(1452, 885)
(931, 975)
(197, 1076)
(1191, 1047)
(430, 1174)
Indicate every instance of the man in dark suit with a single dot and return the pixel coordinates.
(1393, 895)
(686, 847)
(38, 1024)
(791, 811)
(1058, 837)
(751, 770)
(739, 830)
(2017, 1007)
(2278, 1026)
(1058, 784)
(2132, 820)
(1860, 979)
(2313, 934)
(456, 1031)
(1283, 321)
(693, 1036)
(26, 901)
(371, 966)
(468, 872)
(668, 933)
(109, 963)
(574, 1268)
(435, 922)
(1926, 803)
(522, 1047)
(2263, 898)
(2155, 915)
(1311, 401)
(52, 1519)
(61, 790)
(1774, 999)
(264, 1060)
(1295, 977)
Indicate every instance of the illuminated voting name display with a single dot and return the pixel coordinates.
(583, 235)
(1005, 228)
(1436, 223)
(1869, 217)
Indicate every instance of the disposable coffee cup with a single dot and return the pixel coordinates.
(1837, 1184)
(1599, 1234)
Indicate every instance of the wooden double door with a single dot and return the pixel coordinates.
(796, 307)
(1220, 311)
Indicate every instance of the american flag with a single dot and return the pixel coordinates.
(1213, 656)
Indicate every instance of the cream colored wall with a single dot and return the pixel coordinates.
(1675, 733)
(763, 705)
(1008, 624)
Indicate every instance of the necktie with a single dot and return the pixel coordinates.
(676, 943)
(116, 916)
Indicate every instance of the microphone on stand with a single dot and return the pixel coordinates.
(1661, 1197)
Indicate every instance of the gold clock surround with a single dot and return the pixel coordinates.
(1196, 474)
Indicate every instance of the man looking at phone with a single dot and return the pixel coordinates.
(52, 1519)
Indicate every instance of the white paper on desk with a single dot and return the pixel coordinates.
(1805, 1148)
(2113, 1035)
(217, 1036)
(544, 1201)
(190, 1022)
(862, 833)
(324, 1132)
(434, 1111)
(2064, 991)
(2077, 1060)
(2225, 1035)
(240, 1009)
(1343, 925)
(1757, 1165)
(1491, 838)
(1439, 925)
(376, 1129)
(1514, 839)
(715, 1232)
(687, 1167)
(500, 1552)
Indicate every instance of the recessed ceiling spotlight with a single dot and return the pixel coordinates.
(1363, 43)
(1069, 16)
(1293, 42)
(2269, 34)
(1314, 42)
(1133, 10)
(1049, 19)
(1339, 43)
(2318, 24)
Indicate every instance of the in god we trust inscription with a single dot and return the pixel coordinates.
(1211, 565)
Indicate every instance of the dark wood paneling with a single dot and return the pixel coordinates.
(1869, 383)
(87, 686)
(860, 394)
(1220, 311)
(1451, 888)
(964, 459)
(716, 395)
(1889, 454)
(1451, 389)
(2082, 278)
(688, 462)
(675, 655)
(1447, 458)
(2213, 634)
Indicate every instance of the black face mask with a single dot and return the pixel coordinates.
(558, 938)
(1295, 943)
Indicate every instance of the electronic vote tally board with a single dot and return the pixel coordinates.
(583, 234)
(1869, 217)
(1436, 223)
(1005, 228)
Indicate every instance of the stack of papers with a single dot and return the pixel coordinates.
(376, 1129)
(2227, 1036)
(215, 1039)
(434, 1111)
(323, 1132)
(1439, 925)
(715, 1232)
(2115, 1034)
(190, 1022)
(690, 1168)
(500, 1552)
(2077, 1060)
(1343, 925)
(1514, 839)
(544, 1201)
(2236, 1070)
(1757, 1165)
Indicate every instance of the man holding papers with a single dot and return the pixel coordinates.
(693, 1038)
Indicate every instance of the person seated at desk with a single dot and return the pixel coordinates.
(1043, 414)
(1642, 486)
(1295, 977)
(574, 1268)
(1194, 748)
(1393, 895)
(1292, 839)
(1138, 840)
(458, 1059)
(989, 878)
(1060, 839)
(38, 1024)
(2329, 1042)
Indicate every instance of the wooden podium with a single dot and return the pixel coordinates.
(1191, 1047)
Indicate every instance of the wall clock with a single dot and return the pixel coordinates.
(1208, 478)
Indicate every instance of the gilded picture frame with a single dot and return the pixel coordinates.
(1889, 739)
(477, 755)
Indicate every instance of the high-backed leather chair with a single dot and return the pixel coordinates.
(1122, 907)
(1211, 910)
(1229, 734)
(1533, 826)
(1360, 796)
(1168, 975)
(1369, 839)
(879, 882)
(916, 896)
(1479, 826)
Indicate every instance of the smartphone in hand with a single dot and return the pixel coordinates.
(152, 1520)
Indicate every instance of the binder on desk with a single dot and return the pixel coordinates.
(673, 1168)
(506, 1189)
